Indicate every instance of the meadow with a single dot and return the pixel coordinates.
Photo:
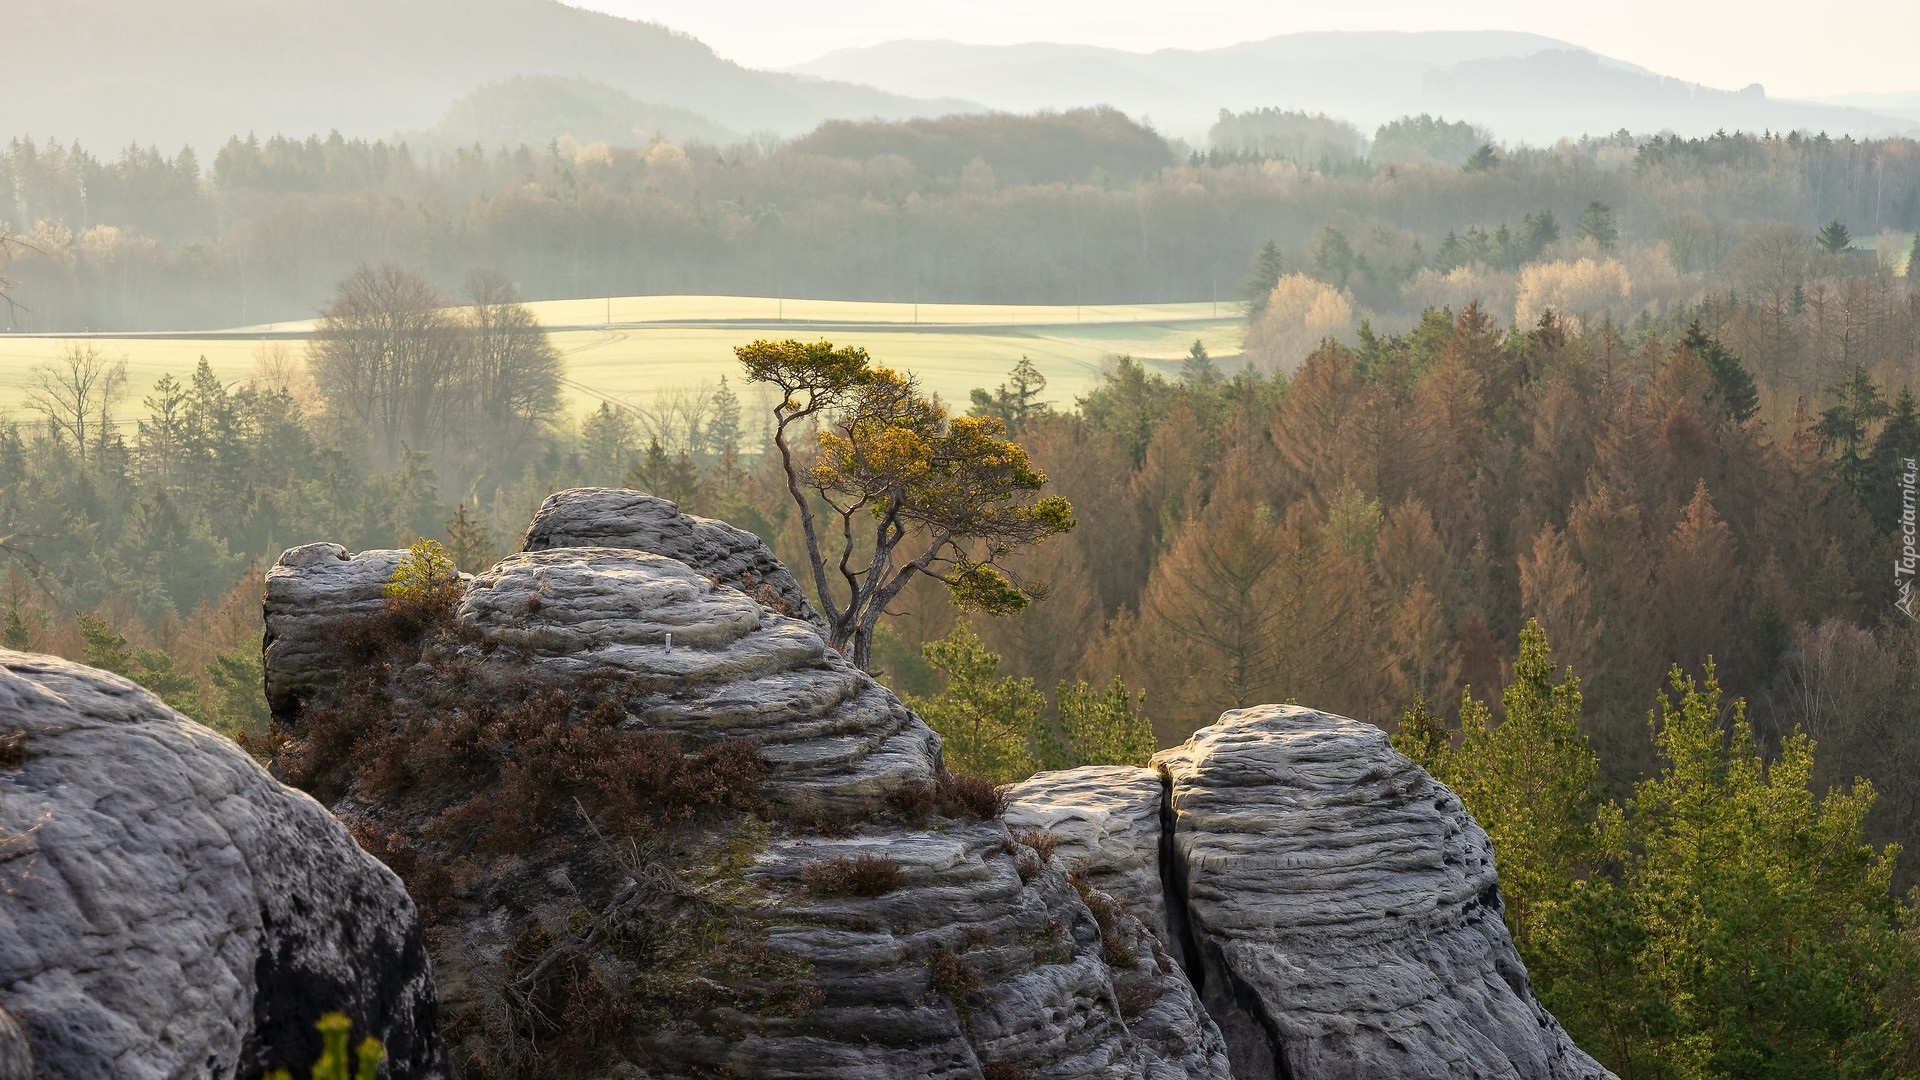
(627, 350)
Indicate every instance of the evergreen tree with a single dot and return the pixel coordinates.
(989, 725)
(1913, 256)
(1531, 782)
(1269, 266)
(1834, 237)
(109, 651)
(1483, 159)
(1104, 727)
(1898, 440)
(1016, 401)
(1129, 402)
(1596, 224)
(15, 636)
(1732, 387)
(467, 542)
(1197, 371)
(1333, 257)
(239, 702)
(723, 429)
(1844, 425)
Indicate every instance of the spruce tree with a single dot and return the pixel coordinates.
(1733, 387)
(1834, 237)
(1268, 267)
(467, 542)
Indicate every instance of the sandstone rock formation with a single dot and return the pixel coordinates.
(171, 911)
(720, 940)
(1105, 821)
(620, 518)
(1336, 907)
(1284, 895)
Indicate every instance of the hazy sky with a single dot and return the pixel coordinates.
(1723, 43)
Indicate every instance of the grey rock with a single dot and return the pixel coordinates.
(622, 518)
(308, 590)
(1034, 991)
(736, 669)
(1105, 820)
(171, 911)
(1339, 911)
(16, 1057)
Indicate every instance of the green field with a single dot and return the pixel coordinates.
(663, 344)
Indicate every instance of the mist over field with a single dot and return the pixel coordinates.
(1464, 475)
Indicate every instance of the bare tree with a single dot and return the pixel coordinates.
(512, 372)
(386, 356)
(76, 394)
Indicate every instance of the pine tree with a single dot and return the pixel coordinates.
(989, 725)
(1017, 401)
(15, 636)
(1483, 160)
(1899, 439)
(723, 427)
(1104, 727)
(1532, 783)
(467, 542)
(1844, 425)
(151, 668)
(1197, 371)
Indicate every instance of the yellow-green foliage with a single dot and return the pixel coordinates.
(1729, 920)
(425, 578)
(335, 1063)
(989, 726)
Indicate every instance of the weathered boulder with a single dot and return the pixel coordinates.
(622, 518)
(1105, 821)
(1339, 912)
(171, 911)
(308, 590)
(713, 663)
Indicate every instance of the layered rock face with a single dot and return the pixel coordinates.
(1335, 906)
(620, 518)
(168, 910)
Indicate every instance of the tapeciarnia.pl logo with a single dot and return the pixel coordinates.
(1903, 569)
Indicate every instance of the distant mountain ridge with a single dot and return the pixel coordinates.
(110, 72)
(1525, 87)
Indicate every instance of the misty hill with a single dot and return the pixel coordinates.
(1038, 149)
(1521, 86)
(196, 71)
(535, 109)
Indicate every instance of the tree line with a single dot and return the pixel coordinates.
(1076, 208)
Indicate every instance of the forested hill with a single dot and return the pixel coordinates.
(195, 71)
(1524, 87)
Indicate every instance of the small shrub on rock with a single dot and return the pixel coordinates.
(426, 583)
(950, 974)
(1042, 841)
(860, 875)
(1116, 945)
(968, 797)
